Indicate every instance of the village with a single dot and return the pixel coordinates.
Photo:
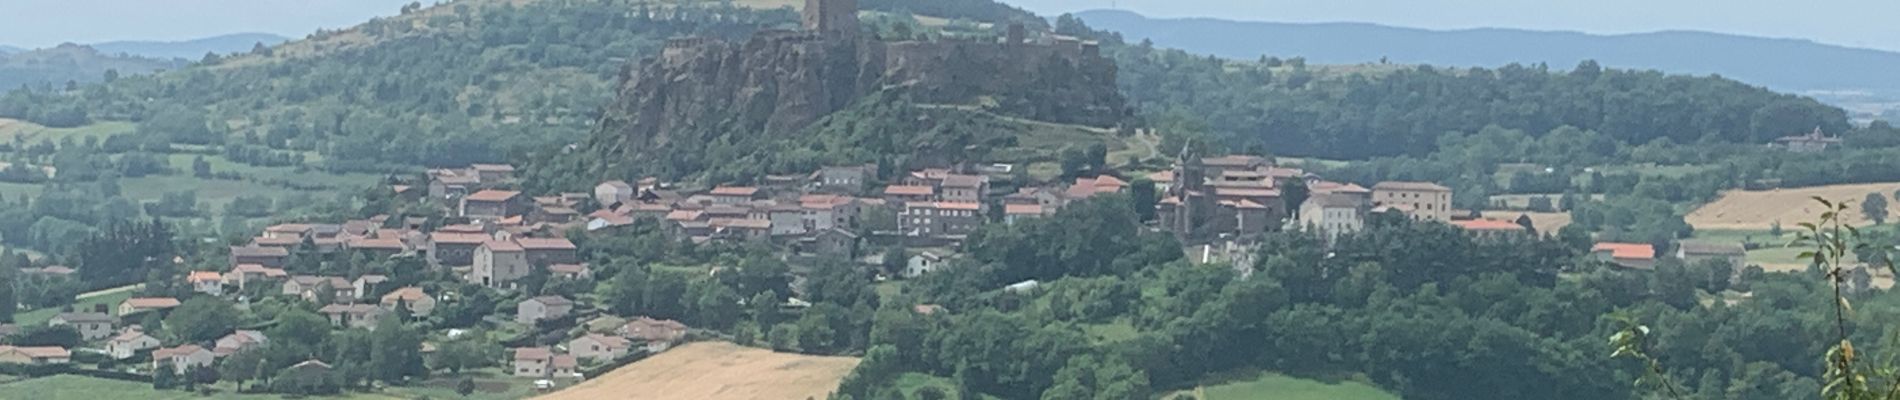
(492, 235)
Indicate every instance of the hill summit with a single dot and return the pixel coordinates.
(779, 82)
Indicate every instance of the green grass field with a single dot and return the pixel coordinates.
(1282, 387)
(911, 382)
(110, 298)
(74, 387)
(33, 133)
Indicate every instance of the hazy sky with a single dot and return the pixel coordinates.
(1859, 23)
(43, 23)
(1856, 23)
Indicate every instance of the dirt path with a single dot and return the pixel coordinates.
(716, 371)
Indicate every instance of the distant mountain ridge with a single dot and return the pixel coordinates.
(190, 49)
(1780, 64)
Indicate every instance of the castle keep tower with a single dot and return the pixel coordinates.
(832, 19)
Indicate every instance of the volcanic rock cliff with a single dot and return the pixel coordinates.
(776, 83)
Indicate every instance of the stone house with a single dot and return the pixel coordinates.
(353, 315)
(656, 334)
(1331, 215)
(239, 341)
(493, 173)
(838, 243)
(906, 194)
(964, 188)
(129, 343)
(531, 362)
(244, 274)
(91, 326)
(183, 358)
(494, 204)
(266, 256)
(549, 251)
(845, 179)
(419, 302)
(1627, 255)
(454, 249)
(499, 263)
(1696, 252)
(614, 192)
(923, 263)
(543, 307)
(938, 219)
(598, 347)
(733, 194)
(34, 355)
(312, 288)
(142, 304)
(1426, 200)
(207, 282)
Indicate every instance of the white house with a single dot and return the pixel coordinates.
(923, 263)
(130, 343)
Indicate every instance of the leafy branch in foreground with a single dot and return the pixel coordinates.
(1846, 378)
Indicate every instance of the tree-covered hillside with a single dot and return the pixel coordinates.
(1357, 112)
(458, 83)
(58, 67)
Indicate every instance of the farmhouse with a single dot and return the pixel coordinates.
(142, 304)
(540, 308)
(36, 355)
(182, 358)
(1627, 255)
(129, 343)
(91, 326)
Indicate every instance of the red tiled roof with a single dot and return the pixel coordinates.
(381, 244)
(201, 276)
(962, 181)
(1242, 192)
(409, 294)
(493, 195)
(684, 215)
(170, 352)
(502, 246)
(909, 190)
(1489, 225)
(533, 353)
(1421, 186)
(1636, 251)
(746, 191)
(653, 330)
(458, 238)
(39, 351)
(742, 223)
(545, 243)
(1022, 209)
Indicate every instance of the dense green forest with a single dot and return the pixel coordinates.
(447, 85)
(1299, 110)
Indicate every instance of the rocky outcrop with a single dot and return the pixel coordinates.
(776, 83)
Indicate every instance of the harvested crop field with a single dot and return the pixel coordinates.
(717, 371)
(1546, 222)
(1757, 210)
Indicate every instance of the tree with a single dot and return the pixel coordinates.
(9, 302)
(1295, 193)
(241, 366)
(1141, 193)
(465, 387)
(202, 318)
(395, 351)
(1874, 207)
(200, 168)
(164, 378)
